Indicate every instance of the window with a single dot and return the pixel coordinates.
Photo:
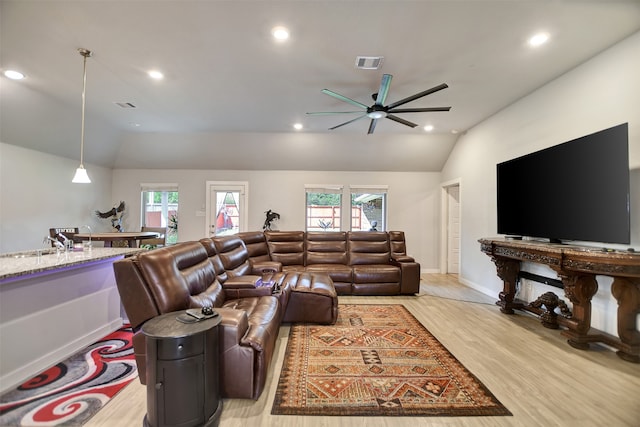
(160, 208)
(323, 207)
(227, 213)
(368, 208)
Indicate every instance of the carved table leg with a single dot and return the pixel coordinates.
(627, 292)
(550, 301)
(579, 289)
(508, 270)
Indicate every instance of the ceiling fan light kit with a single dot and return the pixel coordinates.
(376, 114)
(380, 111)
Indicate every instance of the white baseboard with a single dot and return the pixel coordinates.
(490, 292)
(475, 286)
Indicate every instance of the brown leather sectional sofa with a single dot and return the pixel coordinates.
(358, 262)
(225, 273)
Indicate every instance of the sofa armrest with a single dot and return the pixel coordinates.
(233, 327)
(402, 258)
(245, 287)
(409, 277)
(236, 359)
(259, 267)
(242, 282)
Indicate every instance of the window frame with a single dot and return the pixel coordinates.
(373, 190)
(324, 189)
(165, 220)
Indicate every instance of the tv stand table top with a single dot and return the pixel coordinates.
(559, 256)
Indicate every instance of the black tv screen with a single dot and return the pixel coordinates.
(578, 190)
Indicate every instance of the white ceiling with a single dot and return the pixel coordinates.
(231, 93)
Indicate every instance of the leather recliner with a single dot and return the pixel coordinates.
(193, 274)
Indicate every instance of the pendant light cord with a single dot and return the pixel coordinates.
(84, 53)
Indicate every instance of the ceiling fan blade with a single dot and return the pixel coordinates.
(323, 113)
(384, 89)
(350, 121)
(400, 120)
(344, 98)
(418, 95)
(372, 126)
(418, 110)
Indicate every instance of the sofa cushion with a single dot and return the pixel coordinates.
(214, 259)
(294, 268)
(326, 247)
(337, 272)
(180, 277)
(256, 245)
(371, 247)
(376, 273)
(312, 299)
(233, 255)
(375, 289)
(286, 247)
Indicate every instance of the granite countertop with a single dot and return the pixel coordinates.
(18, 264)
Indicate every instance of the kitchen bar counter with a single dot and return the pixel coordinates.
(16, 264)
(54, 305)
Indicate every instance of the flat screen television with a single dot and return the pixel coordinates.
(578, 190)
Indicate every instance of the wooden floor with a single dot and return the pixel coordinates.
(531, 370)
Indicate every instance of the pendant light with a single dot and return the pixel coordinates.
(81, 176)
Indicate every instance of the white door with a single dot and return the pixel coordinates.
(453, 227)
(226, 207)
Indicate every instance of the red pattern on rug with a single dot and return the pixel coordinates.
(377, 360)
(72, 391)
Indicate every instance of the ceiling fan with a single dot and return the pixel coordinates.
(378, 110)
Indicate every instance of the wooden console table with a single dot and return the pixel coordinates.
(577, 267)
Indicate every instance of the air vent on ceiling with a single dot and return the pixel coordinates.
(369, 62)
(125, 105)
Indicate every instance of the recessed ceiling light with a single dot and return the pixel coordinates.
(297, 126)
(428, 128)
(280, 33)
(538, 39)
(454, 131)
(157, 75)
(14, 75)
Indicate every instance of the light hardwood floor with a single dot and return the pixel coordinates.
(530, 369)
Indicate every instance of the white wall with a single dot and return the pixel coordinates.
(603, 92)
(36, 193)
(412, 200)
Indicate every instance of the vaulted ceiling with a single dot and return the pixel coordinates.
(231, 93)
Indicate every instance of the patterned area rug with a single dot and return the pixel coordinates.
(71, 392)
(377, 360)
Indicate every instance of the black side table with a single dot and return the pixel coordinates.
(182, 372)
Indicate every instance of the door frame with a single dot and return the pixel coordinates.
(444, 223)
